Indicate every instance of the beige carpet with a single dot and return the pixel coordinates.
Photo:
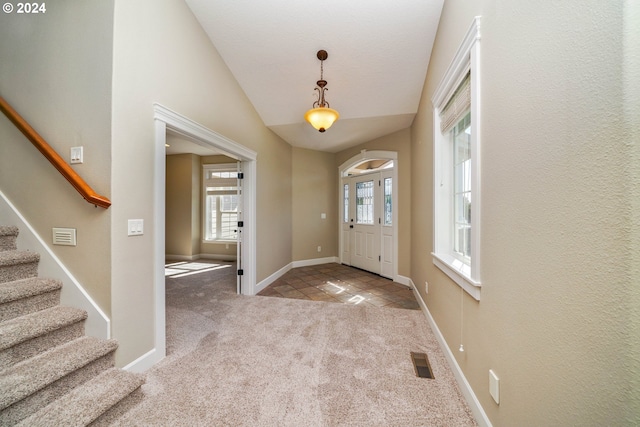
(259, 361)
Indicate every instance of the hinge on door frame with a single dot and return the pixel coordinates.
(379, 220)
(240, 175)
(240, 272)
(379, 258)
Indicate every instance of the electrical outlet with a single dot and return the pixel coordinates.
(319, 248)
(426, 287)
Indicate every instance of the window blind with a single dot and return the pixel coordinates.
(457, 106)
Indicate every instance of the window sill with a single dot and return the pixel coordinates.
(219, 242)
(459, 272)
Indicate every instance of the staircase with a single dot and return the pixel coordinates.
(51, 374)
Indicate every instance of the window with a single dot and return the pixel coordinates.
(220, 183)
(388, 201)
(364, 202)
(457, 167)
(345, 192)
(461, 135)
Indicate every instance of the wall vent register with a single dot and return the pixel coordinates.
(421, 365)
(64, 236)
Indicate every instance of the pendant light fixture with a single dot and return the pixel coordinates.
(321, 116)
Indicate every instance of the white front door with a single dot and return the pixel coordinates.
(365, 207)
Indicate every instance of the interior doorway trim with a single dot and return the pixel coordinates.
(364, 156)
(168, 120)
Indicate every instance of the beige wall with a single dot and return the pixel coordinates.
(315, 191)
(554, 318)
(162, 55)
(182, 199)
(400, 143)
(631, 73)
(55, 69)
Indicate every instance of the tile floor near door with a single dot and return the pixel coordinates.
(340, 283)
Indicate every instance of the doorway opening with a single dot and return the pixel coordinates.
(170, 122)
(368, 212)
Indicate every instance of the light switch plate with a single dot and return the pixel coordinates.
(77, 155)
(136, 227)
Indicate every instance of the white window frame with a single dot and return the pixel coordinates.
(466, 275)
(223, 167)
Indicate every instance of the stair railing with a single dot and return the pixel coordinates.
(58, 162)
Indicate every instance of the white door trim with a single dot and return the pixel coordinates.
(166, 119)
(363, 156)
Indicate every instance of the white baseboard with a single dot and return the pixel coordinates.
(465, 387)
(314, 261)
(144, 362)
(272, 278)
(295, 264)
(172, 257)
(73, 294)
(403, 280)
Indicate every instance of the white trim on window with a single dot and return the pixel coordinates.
(227, 186)
(466, 60)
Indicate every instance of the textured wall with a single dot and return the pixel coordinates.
(554, 317)
(55, 70)
(631, 73)
(315, 191)
(182, 200)
(161, 54)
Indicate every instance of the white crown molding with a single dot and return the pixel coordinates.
(186, 127)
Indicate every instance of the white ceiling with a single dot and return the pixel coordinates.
(378, 56)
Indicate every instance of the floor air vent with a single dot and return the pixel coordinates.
(421, 365)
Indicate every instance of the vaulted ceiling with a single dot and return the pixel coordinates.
(378, 50)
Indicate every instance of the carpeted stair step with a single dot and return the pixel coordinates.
(8, 236)
(34, 383)
(87, 402)
(16, 265)
(26, 296)
(34, 333)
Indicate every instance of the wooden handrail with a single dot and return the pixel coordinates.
(58, 162)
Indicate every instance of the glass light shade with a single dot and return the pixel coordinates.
(321, 118)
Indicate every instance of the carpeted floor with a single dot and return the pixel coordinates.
(254, 361)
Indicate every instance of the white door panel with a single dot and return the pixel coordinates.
(346, 247)
(365, 207)
(371, 253)
(386, 265)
